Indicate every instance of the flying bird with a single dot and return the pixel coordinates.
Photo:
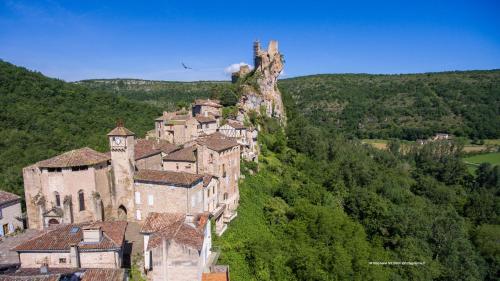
(185, 66)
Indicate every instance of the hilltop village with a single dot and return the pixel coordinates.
(163, 192)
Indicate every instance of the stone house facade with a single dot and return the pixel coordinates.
(167, 191)
(246, 137)
(10, 213)
(86, 245)
(176, 246)
(176, 127)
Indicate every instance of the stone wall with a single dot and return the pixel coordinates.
(265, 94)
(168, 199)
(10, 213)
(107, 259)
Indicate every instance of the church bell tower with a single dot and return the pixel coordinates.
(122, 142)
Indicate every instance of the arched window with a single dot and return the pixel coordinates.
(81, 200)
(57, 198)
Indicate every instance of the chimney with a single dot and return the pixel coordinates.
(74, 254)
(92, 234)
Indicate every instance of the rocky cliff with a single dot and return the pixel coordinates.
(259, 89)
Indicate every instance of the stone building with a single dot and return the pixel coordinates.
(246, 137)
(84, 245)
(71, 187)
(219, 156)
(85, 185)
(207, 124)
(169, 192)
(268, 65)
(10, 213)
(176, 127)
(207, 107)
(176, 246)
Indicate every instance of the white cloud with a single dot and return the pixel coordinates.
(235, 67)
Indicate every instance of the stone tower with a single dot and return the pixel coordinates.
(122, 142)
(268, 67)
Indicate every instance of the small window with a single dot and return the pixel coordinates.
(74, 229)
(137, 197)
(1, 214)
(62, 260)
(223, 170)
(57, 198)
(54, 170)
(138, 215)
(79, 168)
(150, 200)
(81, 200)
(211, 158)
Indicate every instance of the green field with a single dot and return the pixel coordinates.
(474, 161)
(493, 158)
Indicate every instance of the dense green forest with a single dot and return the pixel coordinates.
(408, 106)
(168, 95)
(42, 117)
(322, 206)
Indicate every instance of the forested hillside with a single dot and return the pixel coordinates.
(322, 206)
(168, 95)
(41, 117)
(408, 106)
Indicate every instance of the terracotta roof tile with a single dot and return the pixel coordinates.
(56, 274)
(7, 197)
(236, 124)
(205, 119)
(171, 226)
(61, 238)
(208, 102)
(120, 131)
(101, 274)
(207, 179)
(218, 142)
(144, 148)
(168, 177)
(78, 157)
(215, 276)
(187, 154)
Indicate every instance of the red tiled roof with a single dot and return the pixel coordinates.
(171, 226)
(78, 157)
(205, 119)
(236, 124)
(208, 102)
(120, 131)
(168, 177)
(215, 276)
(7, 197)
(144, 148)
(56, 274)
(101, 274)
(61, 238)
(218, 142)
(207, 179)
(187, 154)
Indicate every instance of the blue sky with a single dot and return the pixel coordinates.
(75, 40)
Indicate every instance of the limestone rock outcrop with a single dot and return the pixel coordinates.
(259, 87)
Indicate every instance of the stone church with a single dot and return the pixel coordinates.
(139, 176)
